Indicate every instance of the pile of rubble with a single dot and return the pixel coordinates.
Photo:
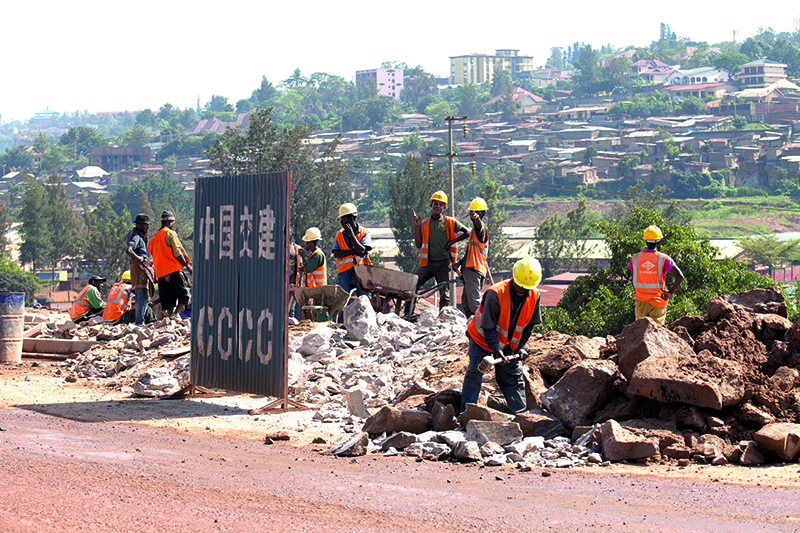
(721, 388)
(150, 360)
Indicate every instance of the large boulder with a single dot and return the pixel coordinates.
(701, 380)
(580, 392)
(763, 300)
(359, 318)
(156, 382)
(540, 423)
(391, 420)
(502, 433)
(645, 338)
(316, 340)
(620, 443)
(781, 439)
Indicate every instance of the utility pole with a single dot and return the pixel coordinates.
(451, 192)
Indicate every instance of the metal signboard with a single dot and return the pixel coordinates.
(240, 292)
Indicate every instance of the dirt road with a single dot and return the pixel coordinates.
(76, 458)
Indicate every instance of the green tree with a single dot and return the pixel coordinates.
(501, 80)
(591, 151)
(54, 159)
(410, 191)
(67, 234)
(768, 250)
(729, 62)
(588, 80)
(37, 243)
(628, 163)
(14, 279)
(499, 244)
(219, 104)
(5, 225)
(264, 147)
(692, 105)
(295, 80)
(417, 83)
(509, 105)
(548, 246)
(41, 144)
(468, 103)
(106, 238)
(438, 111)
(137, 136)
(602, 303)
(556, 58)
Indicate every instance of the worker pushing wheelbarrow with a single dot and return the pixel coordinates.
(391, 287)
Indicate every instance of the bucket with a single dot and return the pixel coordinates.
(12, 325)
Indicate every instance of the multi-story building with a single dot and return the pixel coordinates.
(389, 81)
(761, 73)
(116, 158)
(479, 68)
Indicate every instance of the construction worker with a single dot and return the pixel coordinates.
(500, 329)
(315, 267)
(119, 298)
(352, 247)
(650, 268)
(143, 274)
(89, 302)
(473, 266)
(296, 278)
(435, 237)
(169, 260)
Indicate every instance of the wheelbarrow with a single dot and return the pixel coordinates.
(391, 287)
(325, 298)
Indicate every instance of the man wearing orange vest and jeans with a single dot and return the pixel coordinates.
(436, 237)
(169, 259)
(650, 268)
(119, 298)
(474, 266)
(352, 246)
(89, 302)
(501, 328)
(315, 267)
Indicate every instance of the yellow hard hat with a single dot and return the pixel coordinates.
(439, 196)
(653, 233)
(527, 272)
(126, 276)
(478, 204)
(312, 234)
(347, 209)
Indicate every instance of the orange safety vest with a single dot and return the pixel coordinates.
(450, 226)
(476, 253)
(164, 260)
(81, 306)
(503, 291)
(320, 275)
(648, 278)
(343, 264)
(119, 301)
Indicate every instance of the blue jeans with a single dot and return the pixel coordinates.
(141, 304)
(508, 376)
(348, 281)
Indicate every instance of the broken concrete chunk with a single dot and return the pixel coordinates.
(391, 420)
(350, 445)
(482, 431)
(355, 402)
(479, 412)
(156, 382)
(359, 318)
(645, 338)
(540, 423)
(580, 392)
(467, 450)
(780, 439)
(701, 380)
(620, 444)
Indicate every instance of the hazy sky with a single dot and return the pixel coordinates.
(111, 56)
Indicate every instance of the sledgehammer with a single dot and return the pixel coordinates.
(489, 361)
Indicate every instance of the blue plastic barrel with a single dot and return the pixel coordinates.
(12, 325)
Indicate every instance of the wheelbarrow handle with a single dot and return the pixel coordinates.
(435, 288)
